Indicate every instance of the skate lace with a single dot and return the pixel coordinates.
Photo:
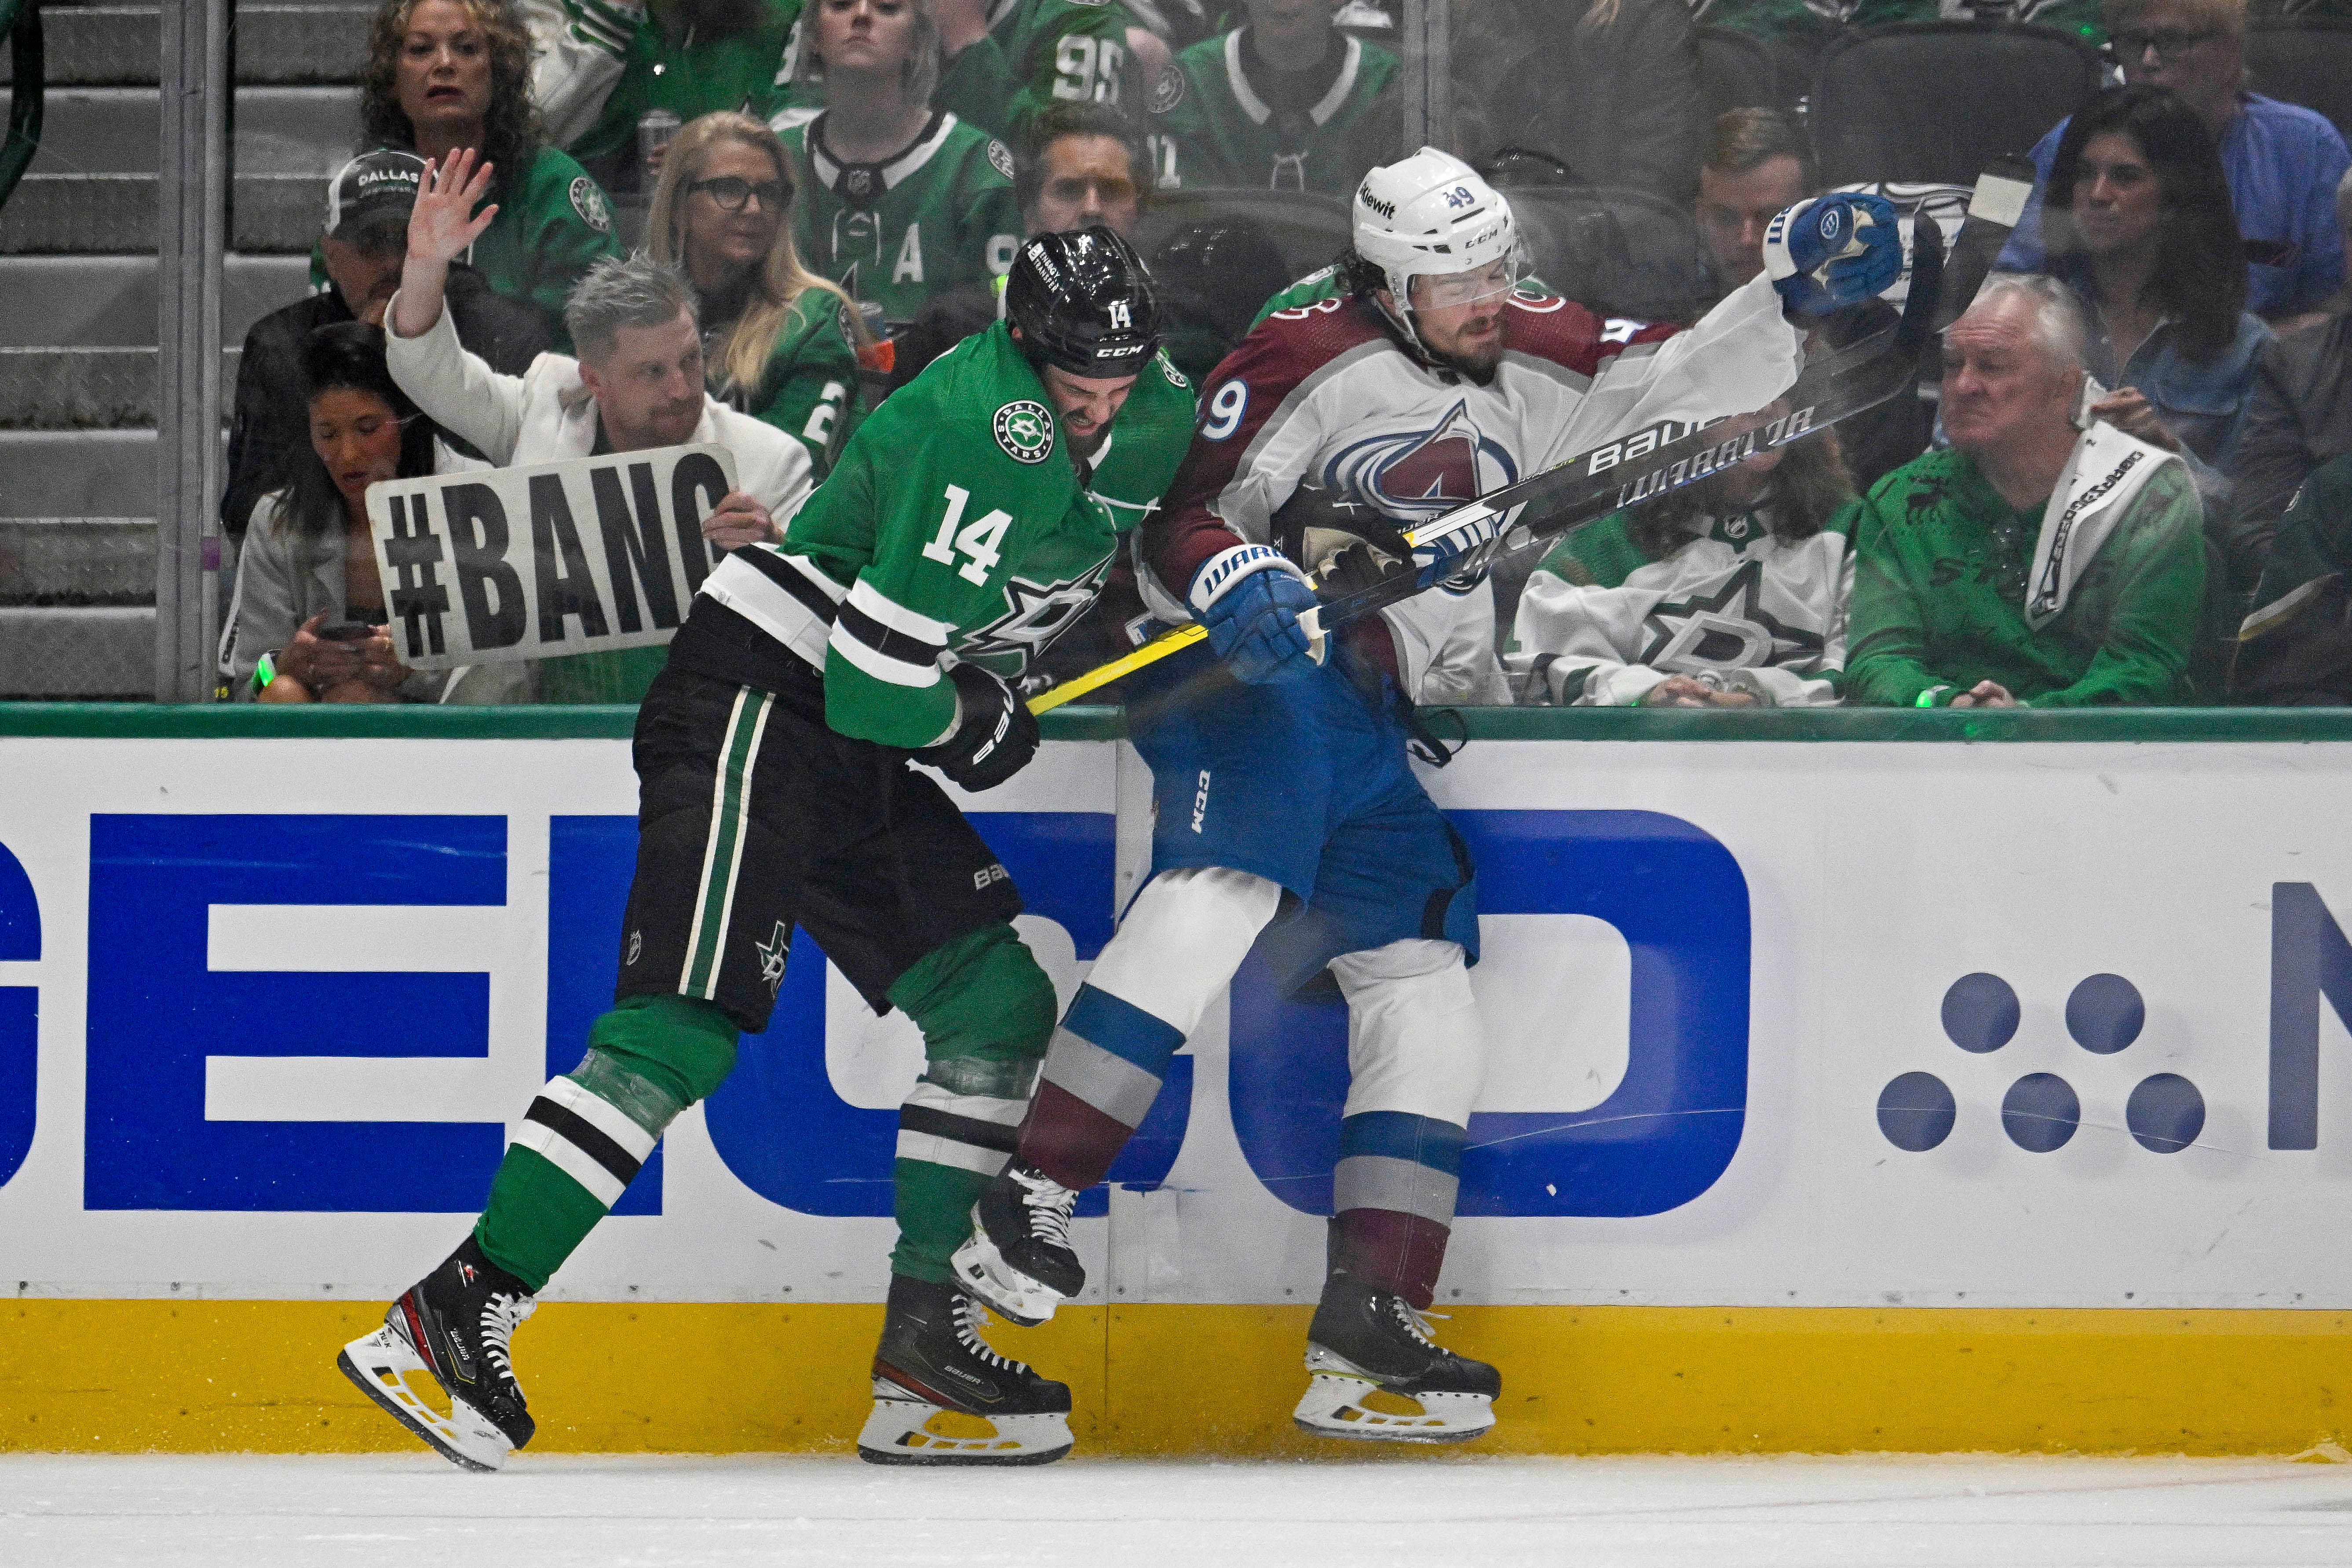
(1416, 1322)
(1049, 1205)
(501, 1315)
(971, 1317)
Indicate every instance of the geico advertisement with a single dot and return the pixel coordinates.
(1927, 1024)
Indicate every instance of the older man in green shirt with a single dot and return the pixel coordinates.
(2034, 562)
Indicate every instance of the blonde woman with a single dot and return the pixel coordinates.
(779, 343)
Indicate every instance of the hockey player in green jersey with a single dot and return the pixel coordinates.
(599, 65)
(954, 538)
(1288, 102)
(2031, 563)
(903, 200)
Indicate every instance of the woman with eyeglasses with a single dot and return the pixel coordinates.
(779, 343)
(306, 622)
(2138, 219)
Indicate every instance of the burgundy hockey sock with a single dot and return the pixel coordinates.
(1102, 1073)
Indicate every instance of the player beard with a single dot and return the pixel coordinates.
(1477, 360)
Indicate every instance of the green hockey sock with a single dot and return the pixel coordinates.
(591, 1130)
(986, 1011)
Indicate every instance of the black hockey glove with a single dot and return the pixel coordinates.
(995, 736)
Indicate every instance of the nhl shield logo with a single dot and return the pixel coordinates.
(1000, 157)
(1025, 430)
(860, 182)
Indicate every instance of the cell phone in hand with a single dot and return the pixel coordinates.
(345, 631)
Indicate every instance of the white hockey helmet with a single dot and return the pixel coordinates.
(1432, 214)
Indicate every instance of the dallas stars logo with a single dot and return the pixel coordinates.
(1025, 430)
(1711, 631)
(1039, 614)
(772, 956)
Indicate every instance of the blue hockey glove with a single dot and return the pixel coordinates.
(1834, 252)
(1249, 599)
(1439, 547)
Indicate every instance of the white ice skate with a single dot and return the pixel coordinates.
(453, 1327)
(1019, 1261)
(1374, 1375)
(384, 1363)
(1343, 1400)
(907, 1430)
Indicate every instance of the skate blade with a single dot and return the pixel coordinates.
(381, 1365)
(1356, 1409)
(995, 1284)
(915, 1432)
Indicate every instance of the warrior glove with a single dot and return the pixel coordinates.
(1249, 599)
(995, 734)
(1834, 252)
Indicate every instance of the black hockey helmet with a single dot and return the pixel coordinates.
(1085, 302)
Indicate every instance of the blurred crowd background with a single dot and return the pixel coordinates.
(841, 185)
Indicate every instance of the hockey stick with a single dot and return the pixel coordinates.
(1586, 489)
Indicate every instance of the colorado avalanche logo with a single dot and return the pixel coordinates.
(1411, 476)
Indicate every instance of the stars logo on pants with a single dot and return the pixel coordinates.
(772, 956)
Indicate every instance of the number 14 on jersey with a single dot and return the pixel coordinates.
(981, 540)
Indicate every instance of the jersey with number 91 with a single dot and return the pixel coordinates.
(956, 522)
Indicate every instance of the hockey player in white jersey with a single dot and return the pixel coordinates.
(1424, 370)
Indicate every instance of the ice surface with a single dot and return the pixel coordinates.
(1417, 1508)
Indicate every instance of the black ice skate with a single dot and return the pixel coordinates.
(941, 1396)
(1370, 1358)
(455, 1324)
(1019, 1259)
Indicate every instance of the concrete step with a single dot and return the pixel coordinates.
(54, 561)
(108, 301)
(123, 44)
(78, 473)
(88, 389)
(98, 653)
(278, 131)
(77, 214)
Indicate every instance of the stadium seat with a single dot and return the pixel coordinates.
(1740, 70)
(2304, 61)
(1938, 101)
(1624, 253)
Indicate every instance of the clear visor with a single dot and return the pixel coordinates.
(1444, 290)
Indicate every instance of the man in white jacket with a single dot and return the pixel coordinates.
(638, 383)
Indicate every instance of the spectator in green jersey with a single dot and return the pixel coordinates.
(600, 64)
(444, 74)
(2032, 563)
(1285, 102)
(779, 343)
(903, 200)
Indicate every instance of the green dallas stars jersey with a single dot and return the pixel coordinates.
(1211, 128)
(1940, 584)
(955, 521)
(1069, 49)
(552, 224)
(1147, 444)
(602, 63)
(940, 213)
(810, 389)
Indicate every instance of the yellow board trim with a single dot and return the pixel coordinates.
(1158, 1380)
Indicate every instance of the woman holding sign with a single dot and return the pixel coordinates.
(307, 621)
(778, 343)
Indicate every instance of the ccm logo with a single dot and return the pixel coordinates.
(988, 874)
(1201, 801)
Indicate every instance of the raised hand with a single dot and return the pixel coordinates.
(444, 223)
